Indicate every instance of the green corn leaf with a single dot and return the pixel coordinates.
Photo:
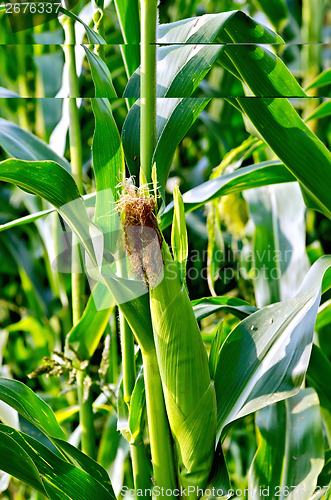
(85, 463)
(60, 479)
(94, 38)
(131, 421)
(182, 356)
(19, 143)
(264, 72)
(178, 67)
(318, 376)
(25, 220)
(53, 183)
(123, 415)
(322, 111)
(227, 27)
(266, 356)
(89, 200)
(260, 174)
(128, 16)
(324, 315)
(84, 337)
(215, 350)
(287, 466)
(30, 406)
(279, 254)
(101, 76)
(179, 240)
(181, 68)
(275, 10)
(210, 305)
(108, 164)
(321, 80)
(294, 144)
(137, 410)
(50, 181)
(174, 118)
(15, 461)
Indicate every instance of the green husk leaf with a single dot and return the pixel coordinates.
(179, 239)
(182, 357)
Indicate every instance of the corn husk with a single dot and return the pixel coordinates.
(188, 389)
(182, 358)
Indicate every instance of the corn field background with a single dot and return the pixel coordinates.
(165, 249)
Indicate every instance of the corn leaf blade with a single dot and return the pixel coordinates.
(280, 262)
(266, 356)
(30, 406)
(15, 461)
(66, 480)
(209, 305)
(84, 337)
(94, 38)
(20, 144)
(322, 111)
(284, 462)
(101, 76)
(294, 144)
(260, 174)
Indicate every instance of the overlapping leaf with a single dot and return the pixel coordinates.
(260, 174)
(84, 337)
(265, 358)
(179, 71)
(210, 305)
(18, 143)
(30, 406)
(290, 452)
(282, 128)
(101, 76)
(60, 479)
(280, 261)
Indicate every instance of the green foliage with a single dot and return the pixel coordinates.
(175, 387)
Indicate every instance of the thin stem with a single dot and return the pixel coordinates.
(141, 475)
(312, 22)
(148, 85)
(74, 125)
(140, 467)
(22, 81)
(129, 368)
(77, 278)
(99, 26)
(86, 414)
(159, 433)
(113, 372)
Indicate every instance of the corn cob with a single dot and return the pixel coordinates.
(188, 390)
(183, 363)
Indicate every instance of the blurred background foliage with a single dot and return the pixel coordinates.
(35, 300)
